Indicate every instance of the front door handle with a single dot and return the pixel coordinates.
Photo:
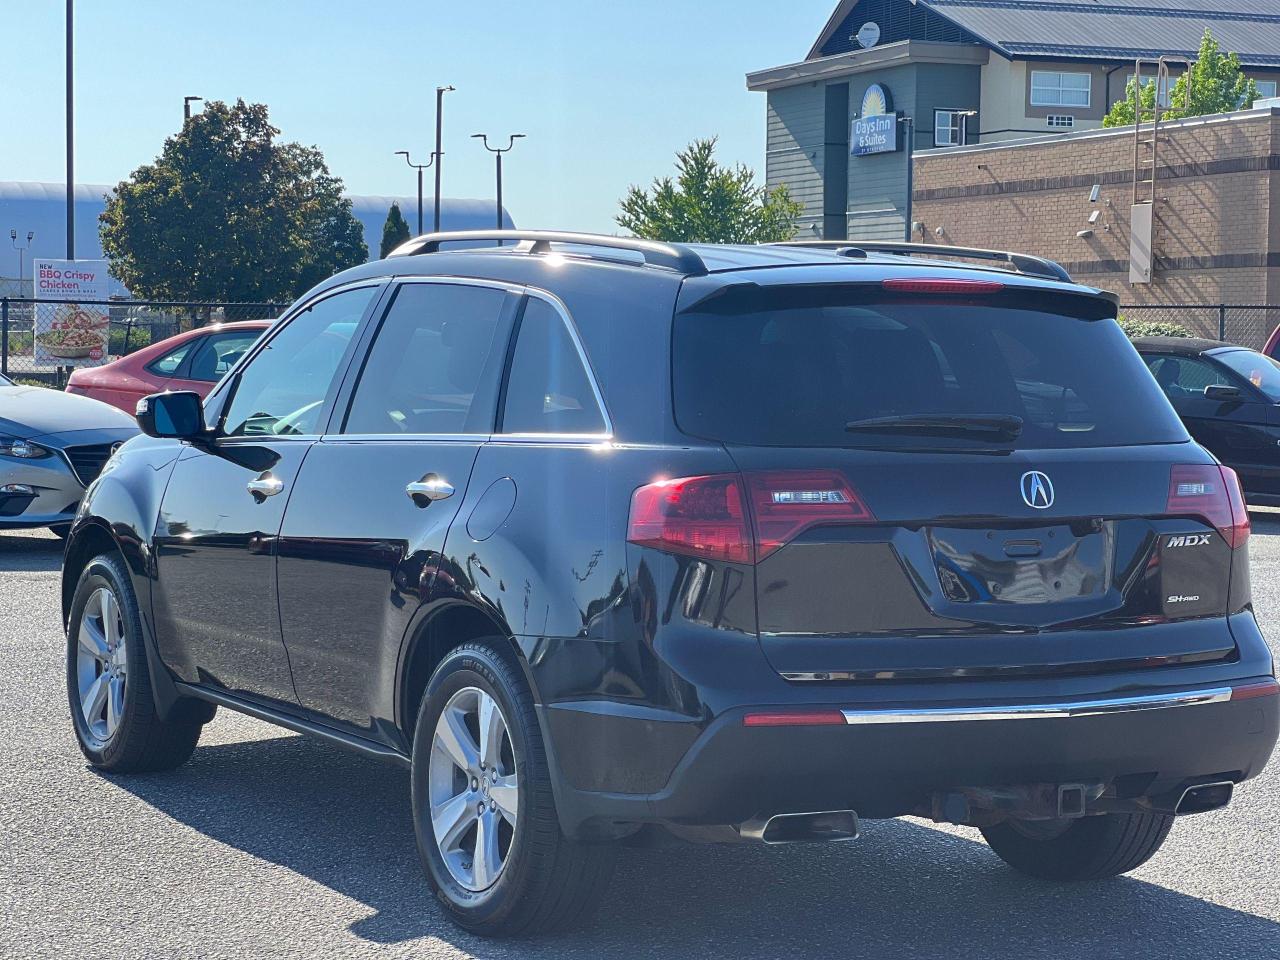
(266, 485)
(429, 488)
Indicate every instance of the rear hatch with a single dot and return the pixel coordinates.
(951, 480)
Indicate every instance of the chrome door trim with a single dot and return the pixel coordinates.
(1040, 711)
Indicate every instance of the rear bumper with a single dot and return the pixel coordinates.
(892, 760)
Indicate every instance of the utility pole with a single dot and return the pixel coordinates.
(186, 107)
(438, 156)
(498, 152)
(71, 136)
(910, 151)
(419, 167)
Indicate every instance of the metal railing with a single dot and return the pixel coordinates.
(28, 352)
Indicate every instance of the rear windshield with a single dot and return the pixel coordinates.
(798, 375)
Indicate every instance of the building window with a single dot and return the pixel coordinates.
(1053, 88)
(1061, 120)
(1266, 89)
(949, 127)
(1166, 89)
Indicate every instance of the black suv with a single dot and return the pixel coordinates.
(610, 540)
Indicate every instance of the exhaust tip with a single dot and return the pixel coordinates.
(818, 827)
(1205, 797)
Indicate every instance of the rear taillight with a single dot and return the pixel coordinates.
(785, 503)
(1213, 493)
(708, 516)
(696, 516)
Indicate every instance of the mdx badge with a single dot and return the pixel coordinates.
(1190, 540)
(1037, 490)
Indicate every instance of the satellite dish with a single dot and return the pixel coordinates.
(868, 34)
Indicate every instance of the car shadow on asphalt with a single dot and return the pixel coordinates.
(35, 551)
(904, 890)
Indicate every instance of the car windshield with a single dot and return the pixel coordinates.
(1260, 370)
(827, 370)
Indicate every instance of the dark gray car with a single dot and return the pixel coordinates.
(52, 446)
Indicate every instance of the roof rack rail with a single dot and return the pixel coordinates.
(1023, 263)
(672, 256)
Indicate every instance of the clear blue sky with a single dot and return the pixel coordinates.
(607, 91)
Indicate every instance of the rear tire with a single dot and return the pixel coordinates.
(544, 881)
(1091, 848)
(108, 681)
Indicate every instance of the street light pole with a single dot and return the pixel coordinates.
(71, 135)
(186, 107)
(13, 238)
(419, 167)
(438, 156)
(911, 146)
(498, 152)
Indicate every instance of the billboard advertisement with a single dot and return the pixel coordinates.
(73, 331)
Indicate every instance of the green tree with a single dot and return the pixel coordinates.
(394, 232)
(709, 203)
(1217, 86)
(228, 213)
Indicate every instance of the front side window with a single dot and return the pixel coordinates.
(1055, 88)
(433, 368)
(1183, 377)
(548, 389)
(283, 389)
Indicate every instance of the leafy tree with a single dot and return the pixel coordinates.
(709, 203)
(228, 213)
(394, 232)
(1217, 86)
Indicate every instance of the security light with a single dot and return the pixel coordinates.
(1095, 193)
(1093, 217)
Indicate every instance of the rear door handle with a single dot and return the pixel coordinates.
(429, 488)
(267, 485)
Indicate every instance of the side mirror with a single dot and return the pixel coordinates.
(1221, 391)
(176, 416)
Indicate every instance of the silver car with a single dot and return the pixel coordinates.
(52, 446)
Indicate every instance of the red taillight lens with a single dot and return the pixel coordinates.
(1212, 492)
(785, 503)
(1251, 691)
(948, 286)
(708, 517)
(696, 516)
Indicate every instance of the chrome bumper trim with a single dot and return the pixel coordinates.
(1042, 711)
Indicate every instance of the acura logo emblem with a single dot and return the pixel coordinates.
(1037, 490)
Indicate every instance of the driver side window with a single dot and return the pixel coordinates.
(283, 389)
(433, 367)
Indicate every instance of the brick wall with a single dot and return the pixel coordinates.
(1217, 236)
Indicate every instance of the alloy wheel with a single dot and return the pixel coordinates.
(473, 790)
(101, 666)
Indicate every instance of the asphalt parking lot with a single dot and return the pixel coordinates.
(271, 845)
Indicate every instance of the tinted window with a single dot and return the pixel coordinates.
(167, 363)
(433, 366)
(218, 353)
(282, 391)
(797, 372)
(1261, 371)
(1182, 377)
(548, 390)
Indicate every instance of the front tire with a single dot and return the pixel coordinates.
(108, 681)
(1090, 848)
(483, 809)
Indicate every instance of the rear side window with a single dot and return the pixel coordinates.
(433, 368)
(218, 354)
(167, 364)
(798, 372)
(548, 390)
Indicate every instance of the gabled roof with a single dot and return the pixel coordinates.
(1093, 29)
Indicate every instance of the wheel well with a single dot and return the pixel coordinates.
(90, 541)
(450, 628)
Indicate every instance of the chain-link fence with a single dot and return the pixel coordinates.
(44, 340)
(1248, 326)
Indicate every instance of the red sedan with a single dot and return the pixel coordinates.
(194, 360)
